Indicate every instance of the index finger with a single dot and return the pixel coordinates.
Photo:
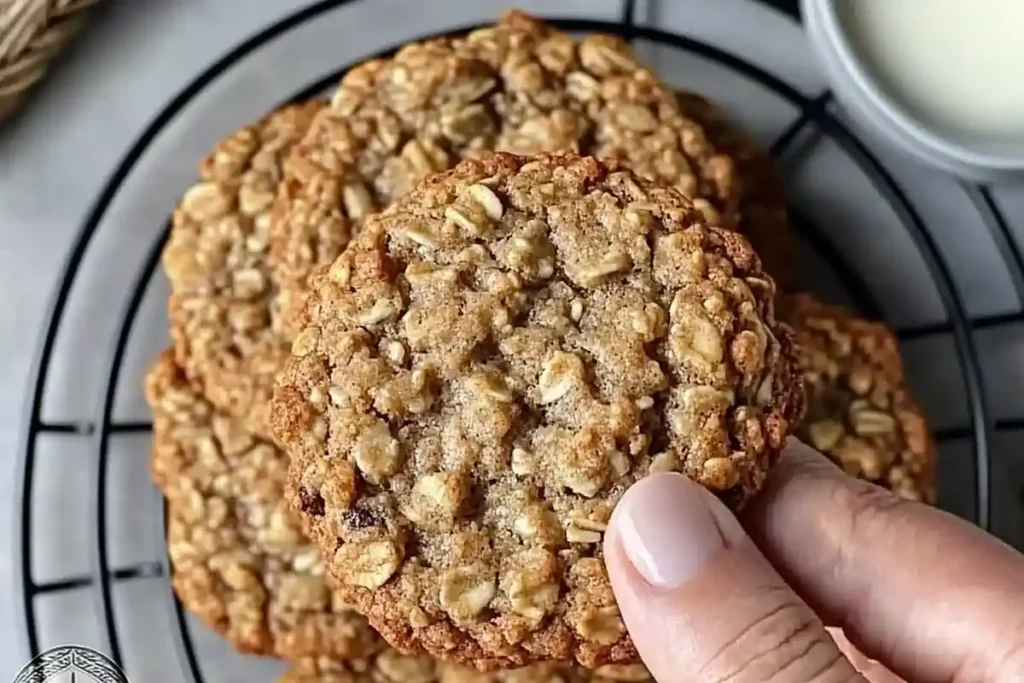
(927, 594)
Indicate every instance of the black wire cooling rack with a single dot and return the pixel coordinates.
(814, 116)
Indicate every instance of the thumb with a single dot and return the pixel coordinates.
(699, 599)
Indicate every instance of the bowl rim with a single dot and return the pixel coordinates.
(822, 18)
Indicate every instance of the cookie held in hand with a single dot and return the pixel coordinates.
(488, 367)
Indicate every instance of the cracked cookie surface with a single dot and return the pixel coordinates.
(239, 560)
(859, 410)
(487, 368)
(519, 86)
(224, 319)
(389, 666)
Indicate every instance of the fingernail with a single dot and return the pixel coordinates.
(667, 530)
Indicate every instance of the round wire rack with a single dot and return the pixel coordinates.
(816, 122)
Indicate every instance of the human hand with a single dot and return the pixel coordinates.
(705, 598)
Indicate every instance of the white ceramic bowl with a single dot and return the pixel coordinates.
(866, 100)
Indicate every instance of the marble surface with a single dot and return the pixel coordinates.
(57, 154)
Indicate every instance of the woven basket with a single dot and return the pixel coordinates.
(32, 34)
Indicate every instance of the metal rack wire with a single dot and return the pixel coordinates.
(814, 115)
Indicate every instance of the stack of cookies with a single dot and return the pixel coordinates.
(427, 333)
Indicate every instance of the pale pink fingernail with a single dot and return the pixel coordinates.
(666, 529)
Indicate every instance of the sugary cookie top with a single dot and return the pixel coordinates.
(392, 667)
(239, 561)
(519, 86)
(484, 371)
(860, 411)
(224, 320)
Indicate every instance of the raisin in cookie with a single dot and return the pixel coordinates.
(860, 412)
(488, 366)
(240, 562)
(224, 322)
(392, 667)
(519, 86)
(762, 214)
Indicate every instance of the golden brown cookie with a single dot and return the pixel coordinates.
(224, 320)
(519, 86)
(489, 365)
(762, 214)
(240, 562)
(860, 412)
(392, 667)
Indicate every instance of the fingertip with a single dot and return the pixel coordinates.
(798, 457)
(872, 562)
(801, 471)
(661, 535)
(666, 530)
(696, 595)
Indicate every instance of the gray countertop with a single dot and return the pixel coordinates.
(55, 157)
(57, 154)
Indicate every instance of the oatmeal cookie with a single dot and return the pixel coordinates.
(391, 667)
(519, 86)
(487, 368)
(762, 214)
(860, 412)
(224, 323)
(240, 562)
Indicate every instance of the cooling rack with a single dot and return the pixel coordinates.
(902, 269)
